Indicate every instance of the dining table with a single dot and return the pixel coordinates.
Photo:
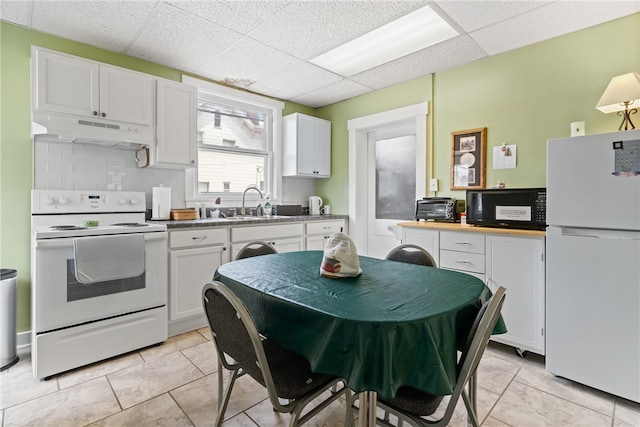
(396, 324)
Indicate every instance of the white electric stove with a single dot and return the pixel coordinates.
(99, 278)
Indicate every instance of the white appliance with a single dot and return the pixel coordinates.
(99, 278)
(593, 261)
(315, 203)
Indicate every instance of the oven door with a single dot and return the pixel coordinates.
(59, 300)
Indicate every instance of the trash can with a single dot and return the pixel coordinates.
(8, 347)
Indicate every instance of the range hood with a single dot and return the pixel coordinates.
(69, 128)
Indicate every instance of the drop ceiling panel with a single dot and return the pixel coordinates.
(178, 39)
(247, 59)
(18, 12)
(552, 20)
(473, 15)
(307, 29)
(335, 92)
(239, 16)
(109, 25)
(299, 79)
(447, 54)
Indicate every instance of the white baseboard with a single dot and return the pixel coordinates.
(23, 341)
(181, 326)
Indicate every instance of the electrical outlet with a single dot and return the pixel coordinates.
(433, 184)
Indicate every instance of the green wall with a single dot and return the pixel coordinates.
(523, 97)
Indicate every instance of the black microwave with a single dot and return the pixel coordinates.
(439, 209)
(509, 207)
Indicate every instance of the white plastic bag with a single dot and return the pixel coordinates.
(340, 257)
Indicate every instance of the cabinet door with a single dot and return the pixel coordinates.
(293, 244)
(176, 127)
(65, 84)
(426, 239)
(323, 149)
(126, 96)
(306, 146)
(287, 245)
(315, 243)
(517, 263)
(189, 270)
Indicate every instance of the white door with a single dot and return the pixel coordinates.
(360, 173)
(391, 184)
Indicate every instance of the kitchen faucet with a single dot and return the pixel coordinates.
(252, 187)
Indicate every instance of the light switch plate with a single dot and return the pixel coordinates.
(433, 184)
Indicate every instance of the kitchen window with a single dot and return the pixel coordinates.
(238, 134)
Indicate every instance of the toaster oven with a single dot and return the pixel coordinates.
(439, 209)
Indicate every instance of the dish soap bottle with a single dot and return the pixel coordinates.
(267, 205)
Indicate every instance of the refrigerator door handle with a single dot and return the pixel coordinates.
(599, 233)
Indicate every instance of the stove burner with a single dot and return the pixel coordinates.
(67, 227)
(129, 224)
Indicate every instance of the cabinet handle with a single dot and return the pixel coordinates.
(463, 243)
(95, 113)
(463, 261)
(224, 248)
(104, 114)
(199, 238)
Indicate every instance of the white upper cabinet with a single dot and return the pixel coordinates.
(306, 146)
(72, 85)
(126, 96)
(176, 124)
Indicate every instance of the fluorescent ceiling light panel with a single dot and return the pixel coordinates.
(415, 31)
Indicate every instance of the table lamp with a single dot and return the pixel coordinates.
(623, 91)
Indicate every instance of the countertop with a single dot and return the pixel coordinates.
(249, 220)
(471, 228)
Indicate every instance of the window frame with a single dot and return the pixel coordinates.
(244, 99)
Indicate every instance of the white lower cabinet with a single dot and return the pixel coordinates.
(463, 252)
(194, 256)
(317, 233)
(426, 239)
(196, 253)
(517, 263)
(284, 237)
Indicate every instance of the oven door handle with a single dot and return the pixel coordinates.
(68, 242)
(54, 243)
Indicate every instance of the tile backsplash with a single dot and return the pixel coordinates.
(65, 166)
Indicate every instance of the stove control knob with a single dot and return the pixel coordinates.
(123, 201)
(63, 200)
(50, 201)
(133, 201)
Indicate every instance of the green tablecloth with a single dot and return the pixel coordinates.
(396, 324)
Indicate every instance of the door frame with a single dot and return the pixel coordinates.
(358, 129)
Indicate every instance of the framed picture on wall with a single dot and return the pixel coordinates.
(468, 158)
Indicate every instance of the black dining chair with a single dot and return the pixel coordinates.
(256, 248)
(411, 254)
(241, 350)
(411, 405)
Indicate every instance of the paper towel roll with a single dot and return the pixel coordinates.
(161, 208)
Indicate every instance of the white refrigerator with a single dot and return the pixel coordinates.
(593, 261)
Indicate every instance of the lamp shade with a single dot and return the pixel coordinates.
(622, 89)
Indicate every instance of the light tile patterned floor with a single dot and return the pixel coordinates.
(175, 385)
